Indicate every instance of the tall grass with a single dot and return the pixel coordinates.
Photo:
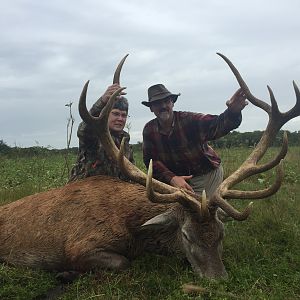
(24, 175)
(261, 254)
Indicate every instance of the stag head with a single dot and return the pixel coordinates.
(190, 222)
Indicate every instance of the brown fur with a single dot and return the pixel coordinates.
(97, 223)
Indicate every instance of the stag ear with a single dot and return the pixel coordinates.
(165, 220)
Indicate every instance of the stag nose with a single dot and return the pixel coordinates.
(212, 270)
(216, 272)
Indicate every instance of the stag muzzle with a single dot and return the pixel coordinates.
(206, 261)
(212, 268)
(212, 273)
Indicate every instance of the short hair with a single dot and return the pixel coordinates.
(121, 104)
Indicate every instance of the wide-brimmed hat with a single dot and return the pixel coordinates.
(159, 92)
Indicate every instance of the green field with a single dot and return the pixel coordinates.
(261, 254)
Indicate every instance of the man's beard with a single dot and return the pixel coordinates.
(164, 115)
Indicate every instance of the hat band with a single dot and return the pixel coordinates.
(160, 96)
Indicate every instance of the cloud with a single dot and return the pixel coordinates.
(50, 49)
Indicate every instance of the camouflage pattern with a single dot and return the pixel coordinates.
(92, 159)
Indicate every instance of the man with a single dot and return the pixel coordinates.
(177, 141)
(92, 159)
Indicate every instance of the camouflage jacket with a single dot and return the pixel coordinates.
(92, 158)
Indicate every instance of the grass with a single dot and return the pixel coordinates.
(261, 255)
(24, 175)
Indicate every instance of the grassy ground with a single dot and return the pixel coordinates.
(261, 255)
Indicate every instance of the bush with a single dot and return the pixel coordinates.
(4, 148)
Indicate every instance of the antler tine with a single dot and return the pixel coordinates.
(274, 162)
(99, 124)
(295, 111)
(297, 92)
(179, 196)
(230, 210)
(116, 78)
(87, 117)
(218, 198)
(83, 112)
(260, 194)
(255, 101)
(275, 110)
(284, 117)
(250, 167)
(204, 205)
(160, 198)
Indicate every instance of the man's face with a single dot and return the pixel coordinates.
(117, 120)
(163, 109)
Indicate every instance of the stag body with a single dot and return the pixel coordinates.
(88, 226)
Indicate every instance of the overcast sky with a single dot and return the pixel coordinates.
(49, 49)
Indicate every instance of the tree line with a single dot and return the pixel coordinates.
(233, 139)
(250, 139)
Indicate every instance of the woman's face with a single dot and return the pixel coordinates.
(117, 120)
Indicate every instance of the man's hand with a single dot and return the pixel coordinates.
(110, 90)
(180, 182)
(237, 102)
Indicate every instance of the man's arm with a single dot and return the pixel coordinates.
(212, 127)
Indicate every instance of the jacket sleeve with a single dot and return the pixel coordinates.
(212, 127)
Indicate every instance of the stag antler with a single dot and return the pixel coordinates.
(100, 125)
(116, 78)
(181, 196)
(250, 167)
(169, 194)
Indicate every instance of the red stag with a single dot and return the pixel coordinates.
(102, 222)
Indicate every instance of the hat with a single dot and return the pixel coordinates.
(159, 92)
(121, 104)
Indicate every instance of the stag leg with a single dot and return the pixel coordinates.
(99, 259)
(95, 260)
(67, 276)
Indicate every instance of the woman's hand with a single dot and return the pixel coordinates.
(110, 90)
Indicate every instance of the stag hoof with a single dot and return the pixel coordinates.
(67, 276)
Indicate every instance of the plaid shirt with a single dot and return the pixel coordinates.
(184, 151)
